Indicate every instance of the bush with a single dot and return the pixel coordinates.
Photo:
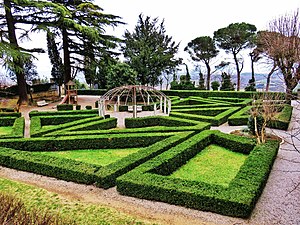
(215, 116)
(215, 85)
(58, 113)
(151, 181)
(81, 172)
(91, 123)
(88, 107)
(91, 91)
(64, 107)
(78, 107)
(18, 125)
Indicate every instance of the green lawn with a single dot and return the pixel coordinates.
(6, 130)
(101, 157)
(214, 165)
(80, 212)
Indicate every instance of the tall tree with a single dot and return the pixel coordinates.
(149, 51)
(203, 49)
(281, 43)
(85, 39)
(233, 39)
(12, 14)
(120, 74)
(57, 71)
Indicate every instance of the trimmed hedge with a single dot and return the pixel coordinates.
(17, 129)
(9, 114)
(7, 121)
(150, 180)
(56, 120)
(206, 94)
(281, 121)
(157, 121)
(198, 127)
(58, 113)
(80, 172)
(193, 101)
(84, 142)
(64, 107)
(215, 120)
(90, 126)
(91, 91)
(90, 123)
(241, 117)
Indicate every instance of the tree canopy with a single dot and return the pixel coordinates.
(203, 49)
(233, 39)
(149, 50)
(281, 43)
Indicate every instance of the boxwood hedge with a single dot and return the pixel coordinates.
(151, 181)
(281, 121)
(81, 172)
(91, 123)
(17, 129)
(84, 142)
(209, 114)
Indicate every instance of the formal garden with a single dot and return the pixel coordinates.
(175, 159)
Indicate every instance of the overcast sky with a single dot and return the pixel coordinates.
(186, 20)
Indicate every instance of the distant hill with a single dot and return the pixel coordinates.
(277, 82)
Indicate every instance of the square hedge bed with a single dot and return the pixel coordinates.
(24, 154)
(281, 120)
(151, 124)
(152, 179)
(215, 116)
(17, 125)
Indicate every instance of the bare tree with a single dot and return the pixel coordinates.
(282, 44)
(264, 109)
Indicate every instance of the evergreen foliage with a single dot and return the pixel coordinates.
(203, 49)
(226, 84)
(120, 74)
(149, 50)
(233, 39)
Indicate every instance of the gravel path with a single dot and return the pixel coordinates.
(278, 204)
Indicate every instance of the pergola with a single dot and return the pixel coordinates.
(135, 97)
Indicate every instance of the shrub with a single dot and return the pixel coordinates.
(18, 125)
(151, 181)
(215, 116)
(215, 85)
(88, 107)
(58, 113)
(80, 172)
(78, 107)
(64, 107)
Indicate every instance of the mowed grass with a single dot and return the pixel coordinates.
(6, 130)
(214, 165)
(101, 157)
(73, 210)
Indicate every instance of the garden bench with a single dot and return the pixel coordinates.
(138, 108)
(41, 103)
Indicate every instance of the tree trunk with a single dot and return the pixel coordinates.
(208, 76)
(22, 89)
(238, 72)
(67, 61)
(252, 70)
(269, 77)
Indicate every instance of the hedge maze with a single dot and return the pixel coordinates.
(155, 147)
